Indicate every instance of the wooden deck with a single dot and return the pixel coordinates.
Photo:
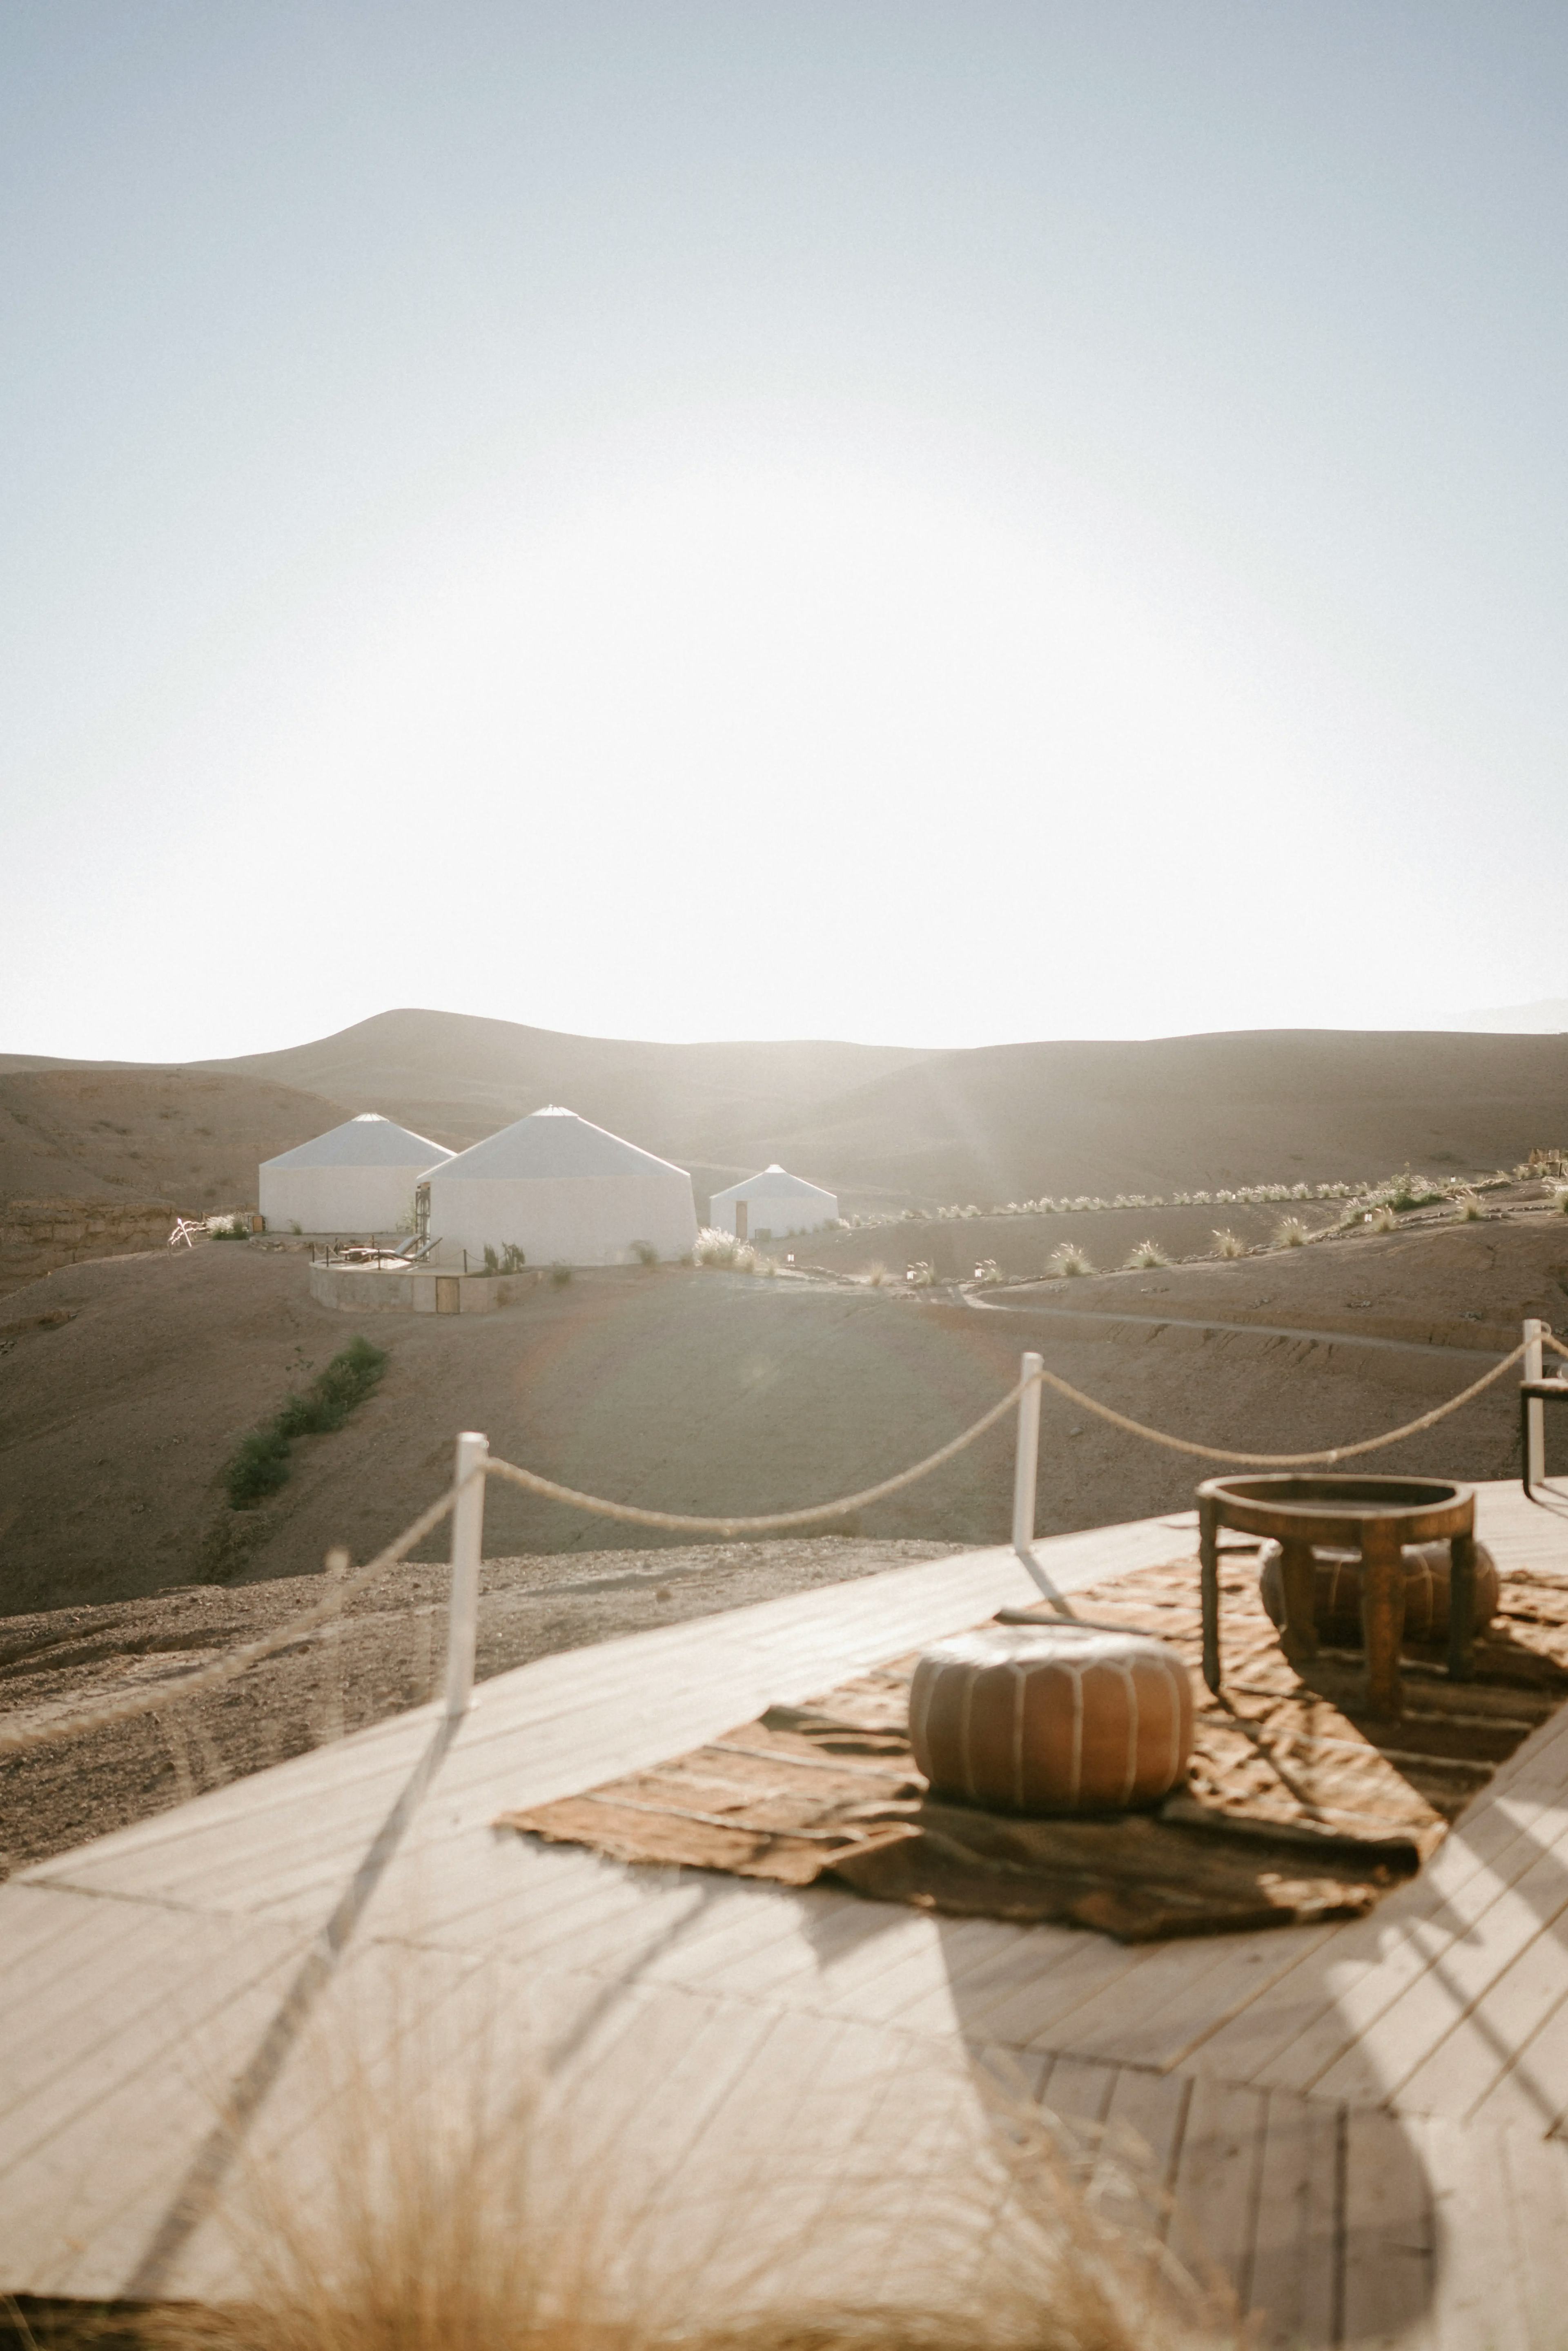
(1362, 2124)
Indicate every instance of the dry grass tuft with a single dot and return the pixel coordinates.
(1469, 1204)
(1068, 1259)
(1228, 1244)
(1146, 1253)
(424, 2219)
(1291, 1233)
(722, 1250)
(1383, 1218)
(874, 1276)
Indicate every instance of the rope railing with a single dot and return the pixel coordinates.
(13, 1740)
(476, 1467)
(771, 1522)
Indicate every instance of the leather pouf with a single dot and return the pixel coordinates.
(1027, 1718)
(1337, 1592)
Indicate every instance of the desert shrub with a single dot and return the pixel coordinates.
(722, 1250)
(1469, 1204)
(1068, 1259)
(351, 1376)
(1407, 1190)
(1382, 1219)
(1228, 1244)
(259, 1464)
(1560, 1198)
(559, 1273)
(988, 1270)
(258, 1467)
(492, 1262)
(232, 1229)
(1147, 1253)
(874, 1277)
(1291, 1233)
(920, 1275)
(645, 1252)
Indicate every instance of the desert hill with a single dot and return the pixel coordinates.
(885, 1127)
(192, 1136)
(127, 1384)
(991, 1123)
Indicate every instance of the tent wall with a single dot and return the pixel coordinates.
(773, 1212)
(562, 1220)
(339, 1199)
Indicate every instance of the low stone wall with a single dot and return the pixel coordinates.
(36, 1236)
(385, 1289)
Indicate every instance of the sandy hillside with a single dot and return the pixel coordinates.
(885, 1128)
(124, 1385)
(192, 1136)
(705, 1392)
(990, 1124)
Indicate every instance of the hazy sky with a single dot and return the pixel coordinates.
(923, 523)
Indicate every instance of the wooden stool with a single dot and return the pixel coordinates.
(1375, 1516)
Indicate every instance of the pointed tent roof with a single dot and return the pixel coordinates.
(368, 1141)
(776, 1182)
(555, 1142)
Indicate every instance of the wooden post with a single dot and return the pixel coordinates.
(1461, 1606)
(1534, 1410)
(1026, 1460)
(1208, 1578)
(468, 1547)
(1298, 1576)
(1383, 1615)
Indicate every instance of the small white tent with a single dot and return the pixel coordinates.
(562, 1191)
(775, 1203)
(358, 1179)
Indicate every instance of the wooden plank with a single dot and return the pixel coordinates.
(1326, 2008)
(1139, 2150)
(92, 2156)
(1534, 2192)
(1214, 2196)
(1499, 2057)
(1189, 1990)
(1425, 2013)
(1480, 2297)
(1388, 2263)
(1530, 2092)
(1290, 2293)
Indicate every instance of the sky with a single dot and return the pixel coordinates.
(930, 524)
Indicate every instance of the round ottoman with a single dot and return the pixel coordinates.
(1337, 1592)
(1040, 1719)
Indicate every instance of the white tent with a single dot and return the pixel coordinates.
(774, 1203)
(562, 1191)
(359, 1178)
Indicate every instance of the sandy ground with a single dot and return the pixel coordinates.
(193, 1136)
(125, 1384)
(387, 1653)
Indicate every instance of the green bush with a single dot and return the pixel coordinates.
(260, 1462)
(261, 1465)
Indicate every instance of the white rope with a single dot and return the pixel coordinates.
(239, 1661)
(674, 1522)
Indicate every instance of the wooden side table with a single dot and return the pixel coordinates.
(1375, 1516)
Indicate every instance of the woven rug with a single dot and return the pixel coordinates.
(1299, 1805)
